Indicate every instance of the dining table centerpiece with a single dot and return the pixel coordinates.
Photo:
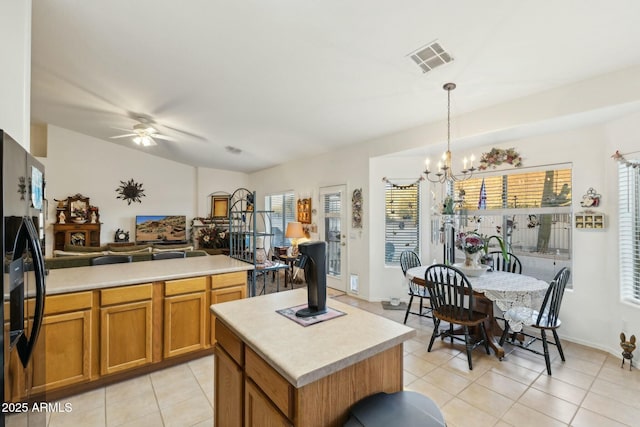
(472, 245)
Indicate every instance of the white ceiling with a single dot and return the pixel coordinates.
(285, 79)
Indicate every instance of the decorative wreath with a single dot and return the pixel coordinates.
(130, 191)
(498, 156)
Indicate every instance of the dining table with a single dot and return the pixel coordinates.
(506, 290)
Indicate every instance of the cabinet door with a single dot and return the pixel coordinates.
(184, 323)
(228, 391)
(259, 411)
(65, 343)
(125, 336)
(223, 295)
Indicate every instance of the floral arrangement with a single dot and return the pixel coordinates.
(212, 237)
(470, 242)
(498, 156)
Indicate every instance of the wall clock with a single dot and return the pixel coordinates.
(130, 191)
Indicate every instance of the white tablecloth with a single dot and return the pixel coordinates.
(507, 290)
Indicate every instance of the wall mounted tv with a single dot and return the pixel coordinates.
(161, 228)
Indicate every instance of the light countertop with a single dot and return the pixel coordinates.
(75, 279)
(303, 355)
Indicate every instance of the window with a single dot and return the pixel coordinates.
(402, 221)
(283, 212)
(629, 232)
(531, 211)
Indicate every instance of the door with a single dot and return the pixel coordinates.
(333, 230)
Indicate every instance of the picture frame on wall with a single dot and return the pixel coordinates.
(219, 206)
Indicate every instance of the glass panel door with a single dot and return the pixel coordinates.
(334, 233)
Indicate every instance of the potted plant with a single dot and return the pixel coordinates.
(486, 259)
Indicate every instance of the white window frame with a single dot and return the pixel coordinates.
(394, 224)
(287, 201)
(629, 232)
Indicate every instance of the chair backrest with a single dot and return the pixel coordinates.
(500, 264)
(111, 259)
(550, 309)
(450, 288)
(169, 255)
(409, 259)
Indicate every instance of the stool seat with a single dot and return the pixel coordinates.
(404, 408)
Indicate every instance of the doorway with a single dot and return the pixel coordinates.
(333, 231)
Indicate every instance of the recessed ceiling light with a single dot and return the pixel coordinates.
(430, 56)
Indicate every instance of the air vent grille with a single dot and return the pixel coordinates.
(431, 56)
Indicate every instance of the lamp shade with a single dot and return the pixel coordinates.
(294, 230)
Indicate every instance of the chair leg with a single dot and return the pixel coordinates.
(558, 344)
(421, 306)
(406, 315)
(467, 342)
(503, 338)
(545, 345)
(485, 340)
(435, 333)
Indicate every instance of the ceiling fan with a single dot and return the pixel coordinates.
(143, 134)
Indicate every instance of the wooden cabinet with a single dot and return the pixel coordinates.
(125, 328)
(75, 234)
(185, 315)
(64, 342)
(228, 376)
(226, 287)
(270, 400)
(259, 411)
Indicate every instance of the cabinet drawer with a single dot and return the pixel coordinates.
(228, 279)
(126, 294)
(230, 342)
(183, 286)
(270, 381)
(68, 302)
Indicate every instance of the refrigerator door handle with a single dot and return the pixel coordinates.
(29, 234)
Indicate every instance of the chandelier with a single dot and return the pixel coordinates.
(444, 172)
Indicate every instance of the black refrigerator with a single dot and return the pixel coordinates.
(23, 282)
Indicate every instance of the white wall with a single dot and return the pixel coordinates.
(15, 69)
(77, 163)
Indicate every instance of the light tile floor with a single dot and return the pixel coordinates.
(589, 389)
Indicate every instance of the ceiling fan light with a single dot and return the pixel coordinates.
(146, 141)
(137, 140)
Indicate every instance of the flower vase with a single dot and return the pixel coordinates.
(472, 260)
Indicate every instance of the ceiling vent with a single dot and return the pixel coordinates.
(430, 56)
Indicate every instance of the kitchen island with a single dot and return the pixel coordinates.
(272, 371)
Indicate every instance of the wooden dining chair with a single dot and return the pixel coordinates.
(544, 319)
(409, 259)
(513, 265)
(452, 301)
(111, 259)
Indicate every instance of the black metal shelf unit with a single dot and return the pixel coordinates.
(246, 224)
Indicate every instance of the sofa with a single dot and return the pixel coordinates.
(80, 256)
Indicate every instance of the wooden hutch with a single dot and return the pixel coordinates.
(77, 223)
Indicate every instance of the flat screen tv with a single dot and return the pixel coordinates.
(161, 228)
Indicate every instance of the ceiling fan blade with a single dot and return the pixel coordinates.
(184, 132)
(123, 136)
(165, 137)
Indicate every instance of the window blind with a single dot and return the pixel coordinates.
(528, 190)
(629, 232)
(402, 221)
(282, 212)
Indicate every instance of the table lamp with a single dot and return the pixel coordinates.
(294, 232)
